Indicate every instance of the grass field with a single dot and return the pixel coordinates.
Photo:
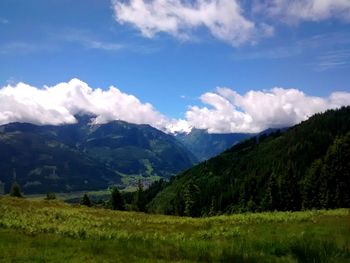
(72, 195)
(51, 231)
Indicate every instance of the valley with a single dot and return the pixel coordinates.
(84, 156)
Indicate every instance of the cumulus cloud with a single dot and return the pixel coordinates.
(175, 126)
(228, 111)
(223, 18)
(305, 10)
(58, 105)
(225, 111)
(233, 21)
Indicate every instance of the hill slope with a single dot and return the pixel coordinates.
(137, 149)
(307, 166)
(87, 157)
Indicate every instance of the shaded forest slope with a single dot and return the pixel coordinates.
(308, 166)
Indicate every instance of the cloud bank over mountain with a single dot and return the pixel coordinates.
(224, 110)
(58, 105)
(228, 111)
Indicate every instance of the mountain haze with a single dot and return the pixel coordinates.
(205, 145)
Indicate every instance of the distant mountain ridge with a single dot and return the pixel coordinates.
(83, 156)
(205, 145)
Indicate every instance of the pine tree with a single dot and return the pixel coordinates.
(117, 200)
(178, 205)
(270, 199)
(139, 198)
(85, 200)
(290, 189)
(213, 206)
(15, 190)
(311, 186)
(191, 198)
(337, 174)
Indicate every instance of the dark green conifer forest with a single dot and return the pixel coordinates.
(306, 167)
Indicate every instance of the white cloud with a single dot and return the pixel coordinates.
(180, 125)
(18, 47)
(85, 39)
(333, 60)
(223, 18)
(232, 21)
(305, 10)
(228, 111)
(58, 104)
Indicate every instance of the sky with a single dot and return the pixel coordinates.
(221, 65)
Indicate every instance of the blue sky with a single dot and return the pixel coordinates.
(106, 43)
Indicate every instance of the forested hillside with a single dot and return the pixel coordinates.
(308, 166)
(83, 156)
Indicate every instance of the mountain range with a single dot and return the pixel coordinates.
(305, 166)
(84, 156)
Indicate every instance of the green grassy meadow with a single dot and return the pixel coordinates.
(52, 231)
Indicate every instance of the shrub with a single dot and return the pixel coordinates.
(50, 196)
(15, 190)
(85, 200)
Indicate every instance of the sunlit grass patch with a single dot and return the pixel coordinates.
(33, 230)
